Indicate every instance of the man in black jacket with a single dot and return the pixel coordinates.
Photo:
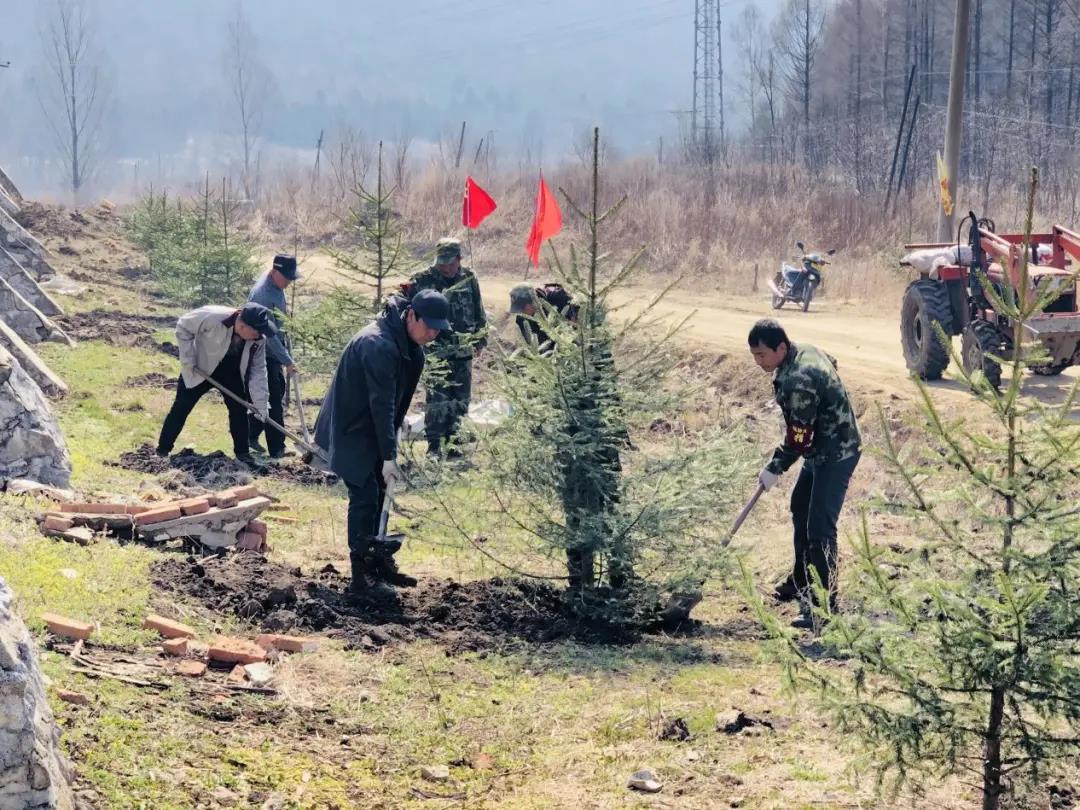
(360, 417)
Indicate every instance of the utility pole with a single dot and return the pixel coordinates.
(946, 222)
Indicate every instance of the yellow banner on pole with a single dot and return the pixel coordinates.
(943, 185)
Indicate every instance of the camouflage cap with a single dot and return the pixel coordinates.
(448, 248)
(520, 297)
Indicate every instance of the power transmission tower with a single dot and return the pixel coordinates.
(705, 133)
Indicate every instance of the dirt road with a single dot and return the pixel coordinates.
(867, 346)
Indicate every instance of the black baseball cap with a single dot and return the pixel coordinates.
(432, 308)
(258, 318)
(286, 265)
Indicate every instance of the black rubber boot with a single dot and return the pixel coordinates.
(362, 587)
(787, 590)
(384, 569)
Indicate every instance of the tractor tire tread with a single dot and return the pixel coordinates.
(927, 358)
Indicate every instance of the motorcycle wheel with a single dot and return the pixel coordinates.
(778, 300)
(807, 297)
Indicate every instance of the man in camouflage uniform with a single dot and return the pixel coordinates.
(448, 398)
(821, 428)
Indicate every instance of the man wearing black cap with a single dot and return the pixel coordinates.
(227, 345)
(360, 418)
(270, 292)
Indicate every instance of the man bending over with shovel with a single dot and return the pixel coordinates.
(224, 345)
(821, 428)
(359, 421)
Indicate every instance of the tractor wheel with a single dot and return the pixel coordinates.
(1050, 369)
(778, 300)
(926, 304)
(981, 340)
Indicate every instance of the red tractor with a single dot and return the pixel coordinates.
(949, 294)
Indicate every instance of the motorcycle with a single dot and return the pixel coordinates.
(798, 284)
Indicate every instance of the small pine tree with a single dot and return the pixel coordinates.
(324, 327)
(196, 254)
(963, 652)
(577, 469)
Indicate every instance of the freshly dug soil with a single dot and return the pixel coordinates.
(465, 617)
(120, 329)
(154, 379)
(217, 469)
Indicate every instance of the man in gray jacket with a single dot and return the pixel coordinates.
(227, 345)
(270, 292)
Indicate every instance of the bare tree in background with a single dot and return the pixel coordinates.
(71, 91)
(798, 40)
(249, 83)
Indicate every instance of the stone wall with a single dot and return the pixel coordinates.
(31, 445)
(33, 773)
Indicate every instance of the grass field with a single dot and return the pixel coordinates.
(520, 725)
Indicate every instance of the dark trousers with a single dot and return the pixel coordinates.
(448, 401)
(227, 374)
(816, 502)
(365, 508)
(275, 439)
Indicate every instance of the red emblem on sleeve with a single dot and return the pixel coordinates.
(800, 437)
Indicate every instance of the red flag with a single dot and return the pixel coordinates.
(547, 221)
(476, 205)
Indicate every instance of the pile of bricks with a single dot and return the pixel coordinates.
(225, 518)
(249, 658)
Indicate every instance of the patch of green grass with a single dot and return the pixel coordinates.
(111, 588)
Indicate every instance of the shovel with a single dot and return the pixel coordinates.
(681, 603)
(303, 443)
(300, 406)
(388, 543)
(743, 515)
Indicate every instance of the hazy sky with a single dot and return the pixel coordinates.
(534, 73)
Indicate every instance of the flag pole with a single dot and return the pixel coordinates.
(536, 208)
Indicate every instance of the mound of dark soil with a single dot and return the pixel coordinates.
(473, 616)
(120, 329)
(51, 220)
(154, 379)
(217, 469)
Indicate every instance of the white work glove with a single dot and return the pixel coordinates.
(768, 479)
(391, 473)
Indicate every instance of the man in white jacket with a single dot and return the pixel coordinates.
(227, 345)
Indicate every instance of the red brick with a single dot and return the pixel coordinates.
(94, 508)
(159, 515)
(167, 627)
(237, 675)
(175, 646)
(57, 523)
(192, 669)
(236, 651)
(222, 500)
(245, 492)
(78, 698)
(194, 506)
(275, 641)
(69, 628)
(249, 541)
(258, 527)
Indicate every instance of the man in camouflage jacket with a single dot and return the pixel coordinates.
(448, 396)
(822, 429)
